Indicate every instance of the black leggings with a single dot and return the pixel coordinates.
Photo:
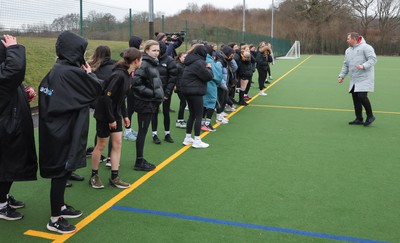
(248, 85)
(166, 105)
(208, 113)
(143, 124)
(5, 187)
(262, 75)
(182, 106)
(130, 99)
(57, 190)
(222, 98)
(195, 104)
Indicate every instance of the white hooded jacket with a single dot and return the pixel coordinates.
(360, 54)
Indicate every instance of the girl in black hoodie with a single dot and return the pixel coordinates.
(194, 85)
(110, 109)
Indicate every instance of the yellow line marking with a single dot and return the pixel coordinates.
(321, 109)
(136, 184)
(41, 234)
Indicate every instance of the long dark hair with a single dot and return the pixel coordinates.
(128, 56)
(99, 56)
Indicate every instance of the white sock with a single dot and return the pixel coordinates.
(128, 130)
(166, 132)
(207, 122)
(188, 135)
(63, 207)
(54, 219)
(154, 133)
(197, 138)
(2, 205)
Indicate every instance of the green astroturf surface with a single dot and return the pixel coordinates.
(288, 160)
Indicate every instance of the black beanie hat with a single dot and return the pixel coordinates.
(135, 41)
(227, 50)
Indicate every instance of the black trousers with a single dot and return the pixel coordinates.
(360, 99)
(5, 187)
(195, 104)
(57, 191)
(262, 75)
(143, 124)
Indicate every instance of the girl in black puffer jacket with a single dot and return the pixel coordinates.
(194, 86)
(148, 92)
(168, 72)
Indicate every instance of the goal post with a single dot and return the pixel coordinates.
(293, 53)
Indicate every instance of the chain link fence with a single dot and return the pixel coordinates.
(102, 22)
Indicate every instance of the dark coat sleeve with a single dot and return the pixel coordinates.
(172, 73)
(12, 73)
(202, 72)
(141, 84)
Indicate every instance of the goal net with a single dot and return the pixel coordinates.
(293, 53)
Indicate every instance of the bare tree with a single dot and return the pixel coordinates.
(366, 11)
(389, 20)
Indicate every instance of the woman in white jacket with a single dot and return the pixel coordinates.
(359, 62)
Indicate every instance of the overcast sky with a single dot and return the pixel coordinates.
(170, 7)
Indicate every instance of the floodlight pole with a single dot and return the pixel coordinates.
(272, 20)
(151, 20)
(244, 21)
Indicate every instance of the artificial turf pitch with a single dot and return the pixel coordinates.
(287, 168)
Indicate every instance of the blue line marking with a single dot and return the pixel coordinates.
(245, 225)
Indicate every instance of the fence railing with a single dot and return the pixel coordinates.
(101, 22)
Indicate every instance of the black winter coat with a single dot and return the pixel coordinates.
(180, 68)
(65, 95)
(196, 74)
(245, 67)
(147, 86)
(18, 161)
(103, 73)
(111, 104)
(168, 71)
(263, 61)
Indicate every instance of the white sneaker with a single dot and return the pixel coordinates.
(229, 108)
(199, 144)
(221, 119)
(108, 163)
(224, 114)
(180, 124)
(188, 141)
(262, 93)
(130, 136)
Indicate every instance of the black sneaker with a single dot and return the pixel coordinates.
(103, 159)
(369, 121)
(70, 212)
(61, 226)
(76, 177)
(356, 122)
(168, 138)
(14, 203)
(144, 165)
(9, 213)
(156, 140)
(89, 151)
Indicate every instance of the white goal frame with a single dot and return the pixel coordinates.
(293, 53)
